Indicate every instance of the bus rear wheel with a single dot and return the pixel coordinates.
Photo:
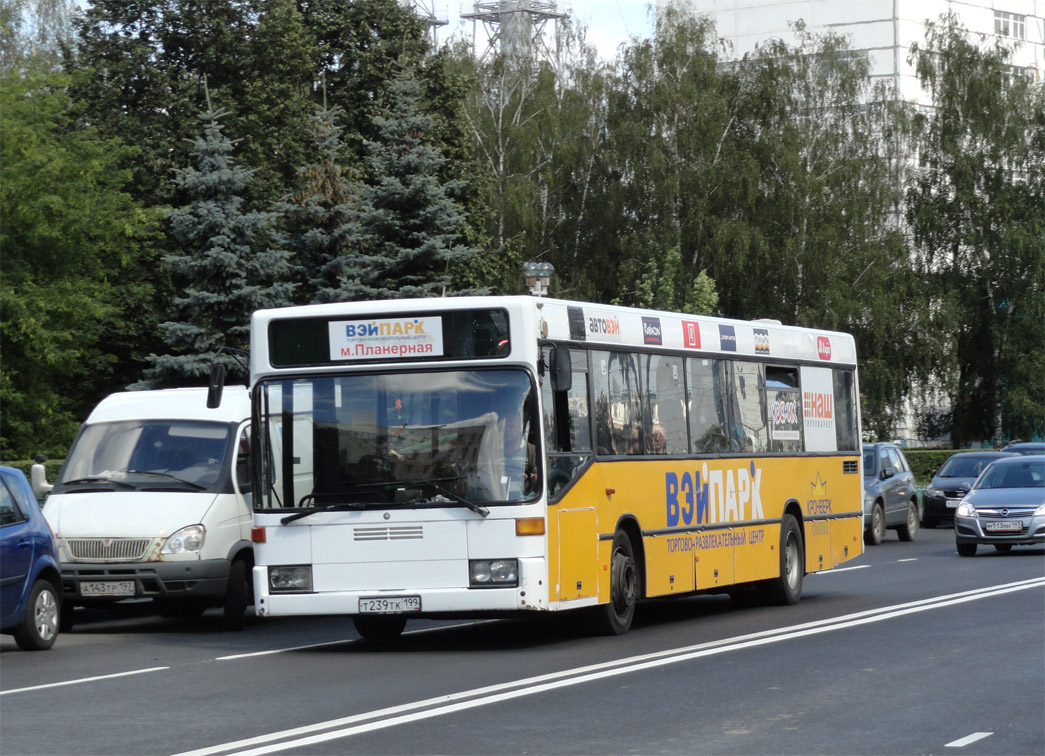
(786, 589)
(615, 616)
(380, 626)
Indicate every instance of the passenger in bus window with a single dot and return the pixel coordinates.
(658, 441)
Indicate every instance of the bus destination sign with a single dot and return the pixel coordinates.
(384, 338)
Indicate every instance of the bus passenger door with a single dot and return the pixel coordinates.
(578, 553)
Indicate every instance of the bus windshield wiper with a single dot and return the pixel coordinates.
(191, 483)
(331, 507)
(433, 483)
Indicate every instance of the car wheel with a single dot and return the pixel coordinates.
(786, 589)
(38, 630)
(379, 627)
(876, 530)
(966, 549)
(1004, 548)
(909, 528)
(237, 596)
(615, 616)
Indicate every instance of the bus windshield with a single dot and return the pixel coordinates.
(372, 440)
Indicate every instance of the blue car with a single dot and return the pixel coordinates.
(30, 579)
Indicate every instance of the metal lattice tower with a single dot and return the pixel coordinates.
(514, 28)
(432, 15)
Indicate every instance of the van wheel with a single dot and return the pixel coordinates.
(615, 616)
(787, 588)
(38, 630)
(238, 596)
(66, 619)
(379, 627)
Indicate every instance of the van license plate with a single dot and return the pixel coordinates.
(390, 605)
(107, 588)
(1004, 525)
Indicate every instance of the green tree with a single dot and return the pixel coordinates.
(228, 272)
(405, 232)
(975, 211)
(75, 248)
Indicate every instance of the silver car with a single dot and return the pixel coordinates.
(1005, 508)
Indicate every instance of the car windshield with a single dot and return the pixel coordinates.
(964, 467)
(1025, 474)
(432, 438)
(146, 454)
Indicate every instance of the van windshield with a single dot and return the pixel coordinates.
(180, 455)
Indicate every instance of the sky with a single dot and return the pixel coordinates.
(609, 22)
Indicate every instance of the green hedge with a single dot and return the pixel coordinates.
(925, 462)
(52, 466)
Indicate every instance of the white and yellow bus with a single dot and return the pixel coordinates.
(484, 456)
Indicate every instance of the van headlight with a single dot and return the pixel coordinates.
(493, 573)
(185, 540)
(290, 578)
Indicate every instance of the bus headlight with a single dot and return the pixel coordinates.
(493, 573)
(291, 578)
(187, 539)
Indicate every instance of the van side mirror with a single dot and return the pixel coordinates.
(215, 386)
(561, 369)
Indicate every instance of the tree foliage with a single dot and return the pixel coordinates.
(229, 271)
(77, 264)
(975, 211)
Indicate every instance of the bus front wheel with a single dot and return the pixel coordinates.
(615, 616)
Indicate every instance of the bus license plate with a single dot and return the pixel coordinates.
(107, 588)
(1004, 525)
(390, 605)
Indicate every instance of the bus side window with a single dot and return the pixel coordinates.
(665, 416)
(567, 424)
(708, 389)
(750, 433)
(845, 411)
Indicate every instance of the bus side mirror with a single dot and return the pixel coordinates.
(562, 369)
(215, 386)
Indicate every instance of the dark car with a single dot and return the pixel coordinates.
(30, 579)
(1005, 508)
(890, 499)
(1026, 447)
(951, 482)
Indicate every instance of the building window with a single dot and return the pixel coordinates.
(1010, 25)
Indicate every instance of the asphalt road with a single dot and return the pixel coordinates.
(908, 649)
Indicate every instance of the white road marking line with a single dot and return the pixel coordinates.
(84, 680)
(962, 742)
(393, 716)
(842, 569)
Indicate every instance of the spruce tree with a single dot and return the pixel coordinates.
(316, 217)
(227, 272)
(405, 236)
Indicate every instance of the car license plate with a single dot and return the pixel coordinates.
(1004, 526)
(389, 604)
(107, 588)
(953, 503)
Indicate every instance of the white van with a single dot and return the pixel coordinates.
(153, 501)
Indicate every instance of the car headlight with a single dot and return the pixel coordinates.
(930, 491)
(965, 509)
(493, 573)
(291, 578)
(185, 540)
(1040, 510)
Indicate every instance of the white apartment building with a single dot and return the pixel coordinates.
(884, 29)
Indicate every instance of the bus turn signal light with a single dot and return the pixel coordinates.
(525, 526)
(257, 535)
